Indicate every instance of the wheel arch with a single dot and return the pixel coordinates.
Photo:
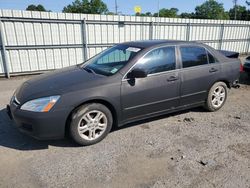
(104, 102)
(226, 82)
(222, 80)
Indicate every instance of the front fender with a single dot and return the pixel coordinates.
(109, 94)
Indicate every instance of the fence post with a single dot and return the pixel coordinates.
(151, 28)
(188, 32)
(221, 36)
(3, 52)
(248, 40)
(84, 40)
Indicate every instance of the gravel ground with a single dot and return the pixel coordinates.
(191, 148)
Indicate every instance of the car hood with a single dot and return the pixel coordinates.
(247, 63)
(56, 83)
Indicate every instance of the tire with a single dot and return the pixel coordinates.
(90, 124)
(217, 97)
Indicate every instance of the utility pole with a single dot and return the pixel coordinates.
(235, 9)
(116, 7)
(158, 7)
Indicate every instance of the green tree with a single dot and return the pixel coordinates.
(211, 9)
(170, 13)
(33, 7)
(147, 14)
(144, 14)
(110, 13)
(187, 15)
(87, 6)
(242, 13)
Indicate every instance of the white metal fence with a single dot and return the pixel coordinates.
(39, 41)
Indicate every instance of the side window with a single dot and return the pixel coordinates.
(158, 60)
(193, 56)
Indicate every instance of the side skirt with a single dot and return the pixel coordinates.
(155, 114)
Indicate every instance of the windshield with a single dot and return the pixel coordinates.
(111, 60)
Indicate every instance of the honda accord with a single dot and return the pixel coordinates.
(125, 83)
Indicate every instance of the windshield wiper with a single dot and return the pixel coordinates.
(89, 70)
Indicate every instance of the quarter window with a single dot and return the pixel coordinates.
(158, 60)
(211, 58)
(193, 56)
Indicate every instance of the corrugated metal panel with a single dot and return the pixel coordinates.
(1, 64)
(37, 41)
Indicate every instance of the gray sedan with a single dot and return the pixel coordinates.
(125, 83)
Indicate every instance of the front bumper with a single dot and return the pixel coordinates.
(40, 125)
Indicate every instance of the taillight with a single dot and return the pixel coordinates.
(241, 68)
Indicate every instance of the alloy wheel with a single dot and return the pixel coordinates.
(92, 125)
(218, 96)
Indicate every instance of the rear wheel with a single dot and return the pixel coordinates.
(217, 97)
(90, 123)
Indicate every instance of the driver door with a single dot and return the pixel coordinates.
(158, 92)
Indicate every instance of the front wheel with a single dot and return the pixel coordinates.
(217, 96)
(90, 123)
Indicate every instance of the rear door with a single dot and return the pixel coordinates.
(157, 92)
(200, 70)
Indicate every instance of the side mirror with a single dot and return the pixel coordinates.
(137, 73)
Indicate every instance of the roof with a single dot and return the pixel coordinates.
(150, 43)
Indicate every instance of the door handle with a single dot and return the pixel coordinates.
(213, 70)
(172, 78)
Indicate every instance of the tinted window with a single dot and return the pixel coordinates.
(193, 56)
(158, 60)
(211, 58)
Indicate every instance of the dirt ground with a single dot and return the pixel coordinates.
(191, 148)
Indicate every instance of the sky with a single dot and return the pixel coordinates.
(124, 6)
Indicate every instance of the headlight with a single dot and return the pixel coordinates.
(41, 104)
